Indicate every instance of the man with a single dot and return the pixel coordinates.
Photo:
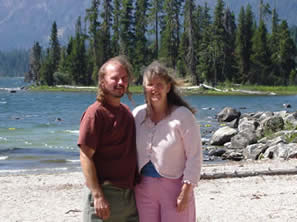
(107, 148)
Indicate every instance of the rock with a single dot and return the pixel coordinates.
(222, 135)
(265, 115)
(217, 152)
(286, 105)
(204, 141)
(246, 124)
(283, 114)
(291, 119)
(253, 151)
(233, 123)
(275, 141)
(228, 114)
(243, 139)
(237, 156)
(227, 145)
(258, 115)
(282, 151)
(259, 132)
(273, 124)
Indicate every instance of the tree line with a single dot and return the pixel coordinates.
(201, 47)
(14, 62)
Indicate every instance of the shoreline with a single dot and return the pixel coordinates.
(202, 89)
(58, 196)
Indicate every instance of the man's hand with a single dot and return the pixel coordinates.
(101, 208)
(184, 197)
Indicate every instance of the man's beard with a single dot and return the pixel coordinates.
(113, 93)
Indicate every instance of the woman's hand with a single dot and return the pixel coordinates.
(184, 197)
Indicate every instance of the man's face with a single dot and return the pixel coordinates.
(115, 81)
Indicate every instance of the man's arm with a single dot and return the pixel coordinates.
(88, 167)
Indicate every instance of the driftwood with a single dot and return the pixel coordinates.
(238, 174)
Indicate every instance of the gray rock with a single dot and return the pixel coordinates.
(222, 135)
(282, 151)
(246, 124)
(291, 119)
(217, 152)
(228, 114)
(253, 151)
(275, 141)
(273, 124)
(243, 139)
(265, 115)
(233, 155)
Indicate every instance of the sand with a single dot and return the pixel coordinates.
(59, 196)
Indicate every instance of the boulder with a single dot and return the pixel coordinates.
(281, 151)
(233, 155)
(246, 124)
(253, 151)
(273, 124)
(266, 115)
(228, 114)
(243, 139)
(291, 119)
(217, 152)
(222, 135)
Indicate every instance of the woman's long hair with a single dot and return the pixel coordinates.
(123, 61)
(174, 97)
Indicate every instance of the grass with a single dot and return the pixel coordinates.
(279, 90)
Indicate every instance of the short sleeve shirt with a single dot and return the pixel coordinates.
(110, 131)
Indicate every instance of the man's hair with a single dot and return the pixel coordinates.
(121, 60)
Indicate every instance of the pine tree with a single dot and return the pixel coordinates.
(154, 21)
(105, 29)
(261, 71)
(51, 61)
(92, 19)
(204, 67)
(274, 43)
(170, 32)
(229, 62)
(34, 64)
(46, 70)
(54, 47)
(243, 49)
(287, 54)
(77, 66)
(190, 57)
(140, 50)
(127, 28)
(116, 27)
(218, 43)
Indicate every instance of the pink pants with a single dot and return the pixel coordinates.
(156, 201)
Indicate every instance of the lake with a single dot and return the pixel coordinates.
(39, 130)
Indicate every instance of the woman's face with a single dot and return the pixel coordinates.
(156, 90)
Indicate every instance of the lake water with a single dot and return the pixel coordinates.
(39, 130)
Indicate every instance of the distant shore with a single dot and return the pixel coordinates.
(202, 89)
(59, 196)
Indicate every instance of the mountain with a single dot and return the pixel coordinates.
(24, 21)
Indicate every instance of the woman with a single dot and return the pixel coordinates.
(168, 149)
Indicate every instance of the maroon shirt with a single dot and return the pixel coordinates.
(111, 132)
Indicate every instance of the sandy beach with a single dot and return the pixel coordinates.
(58, 196)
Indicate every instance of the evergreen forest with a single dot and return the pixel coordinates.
(200, 45)
(14, 63)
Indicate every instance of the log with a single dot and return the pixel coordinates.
(241, 174)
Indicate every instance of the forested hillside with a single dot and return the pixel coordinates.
(201, 44)
(14, 62)
(26, 21)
